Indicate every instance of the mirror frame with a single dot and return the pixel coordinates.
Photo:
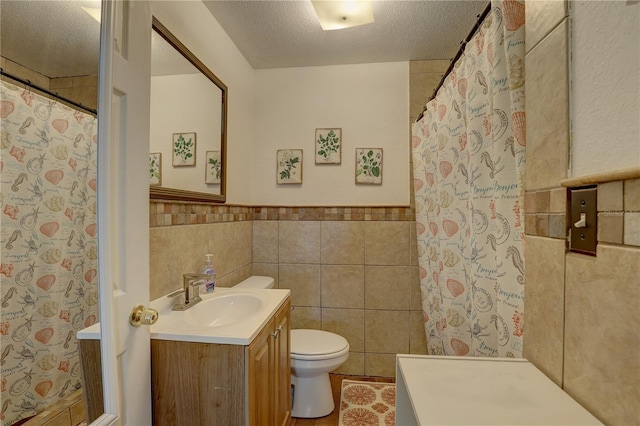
(163, 193)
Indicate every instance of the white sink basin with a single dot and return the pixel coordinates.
(227, 316)
(222, 310)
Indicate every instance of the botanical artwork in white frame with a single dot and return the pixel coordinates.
(155, 169)
(213, 167)
(369, 166)
(184, 149)
(329, 146)
(289, 166)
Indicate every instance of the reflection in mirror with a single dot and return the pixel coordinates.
(187, 149)
(49, 279)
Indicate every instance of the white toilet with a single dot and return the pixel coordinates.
(314, 353)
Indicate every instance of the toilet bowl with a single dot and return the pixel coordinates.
(314, 353)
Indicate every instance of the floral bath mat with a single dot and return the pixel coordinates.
(367, 403)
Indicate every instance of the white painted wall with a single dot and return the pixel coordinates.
(194, 25)
(179, 104)
(605, 98)
(370, 102)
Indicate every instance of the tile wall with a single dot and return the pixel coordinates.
(351, 270)
(81, 89)
(581, 311)
(358, 278)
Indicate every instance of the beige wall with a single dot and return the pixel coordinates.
(581, 311)
(351, 270)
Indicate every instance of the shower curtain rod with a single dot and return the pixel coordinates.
(463, 44)
(48, 92)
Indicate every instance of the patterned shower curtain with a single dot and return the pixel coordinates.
(469, 164)
(48, 247)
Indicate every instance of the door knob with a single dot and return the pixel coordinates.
(143, 316)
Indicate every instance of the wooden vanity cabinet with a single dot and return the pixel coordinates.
(218, 384)
(269, 372)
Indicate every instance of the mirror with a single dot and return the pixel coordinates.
(188, 137)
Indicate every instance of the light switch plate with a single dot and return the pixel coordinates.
(584, 220)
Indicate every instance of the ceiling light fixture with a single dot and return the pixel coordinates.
(336, 15)
(94, 12)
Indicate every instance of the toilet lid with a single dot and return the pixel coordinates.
(316, 342)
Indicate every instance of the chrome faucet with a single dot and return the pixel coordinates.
(191, 290)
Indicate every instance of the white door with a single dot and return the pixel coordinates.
(123, 208)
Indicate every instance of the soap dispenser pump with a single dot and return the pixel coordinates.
(210, 283)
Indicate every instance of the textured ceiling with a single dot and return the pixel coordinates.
(58, 39)
(274, 34)
(54, 38)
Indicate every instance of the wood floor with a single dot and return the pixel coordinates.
(336, 384)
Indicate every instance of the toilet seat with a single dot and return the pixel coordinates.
(311, 345)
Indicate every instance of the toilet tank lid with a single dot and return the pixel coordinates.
(316, 342)
(256, 281)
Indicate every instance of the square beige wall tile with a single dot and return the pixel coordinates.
(544, 305)
(558, 200)
(305, 317)
(354, 365)
(380, 365)
(342, 243)
(265, 241)
(386, 331)
(267, 270)
(542, 16)
(387, 287)
(304, 283)
(418, 337)
(242, 244)
(601, 333)
(415, 292)
(386, 243)
(241, 274)
(610, 196)
(163, 277)
(299, 242)
(348, 323)
(437, 66)
(342, 286)
(421, 87)
(632, 195)
(611, 227)
(413, 244)
(547, 105)
(632, 228)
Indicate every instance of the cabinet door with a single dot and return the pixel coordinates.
(282, 360)
(261, 360)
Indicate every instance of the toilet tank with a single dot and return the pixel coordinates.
(256, 281)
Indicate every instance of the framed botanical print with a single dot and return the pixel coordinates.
(369, 166)
(184, 149)
(329, 146)
(213, 167)
(155, 169)
(289, 166)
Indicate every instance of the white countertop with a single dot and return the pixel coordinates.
(239, 333)
(170, 327)
(481, 391)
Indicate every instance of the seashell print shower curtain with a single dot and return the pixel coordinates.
(48, 247)
(469, 165)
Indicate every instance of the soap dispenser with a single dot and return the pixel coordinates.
(210, 283)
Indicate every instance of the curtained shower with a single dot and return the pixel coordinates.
(48, 247)
(469, 165)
